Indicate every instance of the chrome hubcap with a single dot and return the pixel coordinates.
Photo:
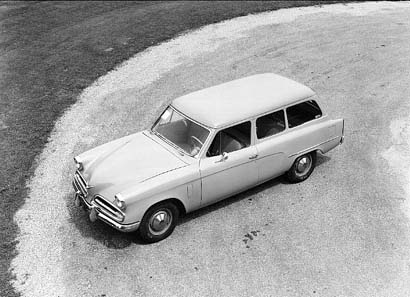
(160, 222)
(303, 166)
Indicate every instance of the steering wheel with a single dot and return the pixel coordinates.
(197, 141)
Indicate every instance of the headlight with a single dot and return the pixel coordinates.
(78, 164)
(119, 202)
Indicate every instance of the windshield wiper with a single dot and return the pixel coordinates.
(180, 150)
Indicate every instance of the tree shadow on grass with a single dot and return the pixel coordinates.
(114, 239)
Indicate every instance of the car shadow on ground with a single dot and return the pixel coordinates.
(114, 239)
(321, 159)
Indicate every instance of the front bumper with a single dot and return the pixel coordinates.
(95, 212)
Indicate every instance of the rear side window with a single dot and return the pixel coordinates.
(270, 124)
(231, 139)
(302, 113)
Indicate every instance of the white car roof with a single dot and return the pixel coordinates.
(237, 100)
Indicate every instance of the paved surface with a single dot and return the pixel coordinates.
(343, 232)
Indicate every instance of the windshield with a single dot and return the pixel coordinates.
(181, 131)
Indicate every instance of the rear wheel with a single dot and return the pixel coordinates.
(302, 168)
(159, 222)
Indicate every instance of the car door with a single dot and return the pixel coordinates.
(229, 166)
(271, 143)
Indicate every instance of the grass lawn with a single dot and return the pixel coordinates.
(51, 51)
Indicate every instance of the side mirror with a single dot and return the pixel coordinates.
(224, 156)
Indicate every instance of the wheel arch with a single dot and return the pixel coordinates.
(291, 174)
(318, 150)
(178, 203)
(295, 156)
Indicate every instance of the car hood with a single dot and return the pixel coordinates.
(136, 160)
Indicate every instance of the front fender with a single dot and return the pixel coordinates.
(183, 184)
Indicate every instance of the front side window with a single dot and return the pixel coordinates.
(230, 140)
(270, 124)
(303, 112)
(180, 131)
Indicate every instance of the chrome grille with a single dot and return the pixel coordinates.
(108, 209)
(80, 183)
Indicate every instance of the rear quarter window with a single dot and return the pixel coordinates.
(303, 112)
(270, 124)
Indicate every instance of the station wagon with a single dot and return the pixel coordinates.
(204, 147)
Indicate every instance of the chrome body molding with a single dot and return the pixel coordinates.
(317, 146)
(118, 226)
(108, 208)
(80, 184)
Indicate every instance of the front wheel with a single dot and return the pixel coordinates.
(159, 222)
(302, 168)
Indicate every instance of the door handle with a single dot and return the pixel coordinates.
(253, 156)
(223, 157)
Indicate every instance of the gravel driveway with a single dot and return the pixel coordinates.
(342, 232)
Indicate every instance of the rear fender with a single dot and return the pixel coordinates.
(321, 136)
(335, 135)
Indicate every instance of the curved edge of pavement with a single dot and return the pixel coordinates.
(37, 266)
(398, 155)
